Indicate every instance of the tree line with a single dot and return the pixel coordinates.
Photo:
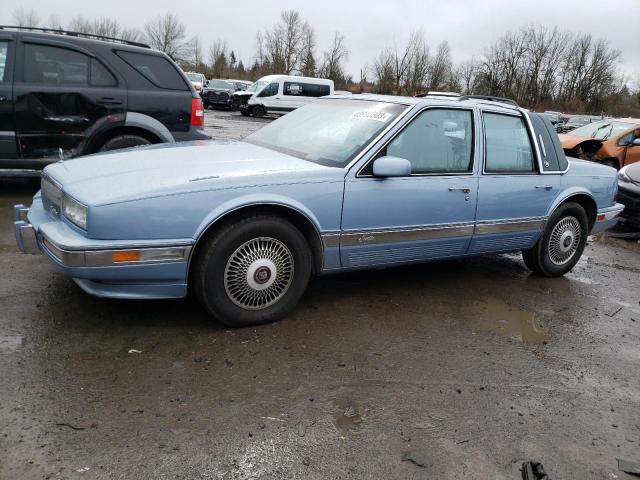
(538, 67)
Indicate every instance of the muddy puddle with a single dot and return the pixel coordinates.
(495, 316)
(10, 343)
(349, 421)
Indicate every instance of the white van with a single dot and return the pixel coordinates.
(282, 93)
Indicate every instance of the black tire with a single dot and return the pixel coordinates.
(561, 244)
(258, 111)
(123, 141)
(223, 265)
(244, 113)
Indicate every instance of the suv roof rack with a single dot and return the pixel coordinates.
(438, 94)
(489, 98)
(69, 33)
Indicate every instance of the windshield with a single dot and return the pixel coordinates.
(602, 130)
(257, 86)
(579, 120)
(220, 84)
(195, 77)
(329, 132)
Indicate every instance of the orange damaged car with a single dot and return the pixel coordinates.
(611, 142)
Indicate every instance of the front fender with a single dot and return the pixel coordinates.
(255, 200)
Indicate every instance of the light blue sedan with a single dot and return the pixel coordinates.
(341, 184)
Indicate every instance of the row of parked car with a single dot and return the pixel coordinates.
(566, 122)
(270, 94)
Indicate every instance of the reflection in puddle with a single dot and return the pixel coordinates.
(493, 315)
(349, 421)
(10, 343)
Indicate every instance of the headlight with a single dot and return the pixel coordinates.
(75, 212)
(622, 175)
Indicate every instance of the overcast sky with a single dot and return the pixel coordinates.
(468, 25)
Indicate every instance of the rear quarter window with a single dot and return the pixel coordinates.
(156, 69)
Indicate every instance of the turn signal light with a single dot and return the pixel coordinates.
(601, 217)
(125, 256)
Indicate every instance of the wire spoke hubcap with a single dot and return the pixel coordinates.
(564, 240)
(258, 273)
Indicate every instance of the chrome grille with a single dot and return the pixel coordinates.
(51, 196)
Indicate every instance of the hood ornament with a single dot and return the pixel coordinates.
(60, 154)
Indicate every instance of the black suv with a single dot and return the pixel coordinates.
(66, 94)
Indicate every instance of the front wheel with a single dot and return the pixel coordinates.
(252, 271)
(258, 111)
(561, 244)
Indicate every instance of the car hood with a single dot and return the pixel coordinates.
(570, 141)
(166, 169)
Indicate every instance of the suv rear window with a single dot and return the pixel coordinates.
(158, 70)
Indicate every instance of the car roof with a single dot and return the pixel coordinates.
(83, 41)
(268, 78)
(625, 120)
(428, 100)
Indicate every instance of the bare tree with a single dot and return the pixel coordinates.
(282, 47)
(307, 58)
(440, 68)
(23, 17)
(218, 58)
(467, 73)
(167, 34)
(333, 58)
(195, 53)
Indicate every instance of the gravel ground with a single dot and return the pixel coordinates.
(460, 369)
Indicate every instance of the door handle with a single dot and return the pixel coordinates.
(108, 101)
(546, 187)
(3, 98)
(465, 190)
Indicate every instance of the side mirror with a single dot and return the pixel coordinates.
(391, 167)
(636, 142)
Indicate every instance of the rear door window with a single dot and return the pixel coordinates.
(507, 143)
(156, 69)
(54, 65)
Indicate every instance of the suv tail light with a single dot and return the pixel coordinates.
(197, 112)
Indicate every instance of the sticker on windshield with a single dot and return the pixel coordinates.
(377, 116)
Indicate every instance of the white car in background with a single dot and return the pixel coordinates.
(282, 94)
(198, 80)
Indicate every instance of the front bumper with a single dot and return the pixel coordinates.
(631, 201)
(112, 269)
(607, 218)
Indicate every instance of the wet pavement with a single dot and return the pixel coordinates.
(459, 369)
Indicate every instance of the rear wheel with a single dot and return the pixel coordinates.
(124, 141)
(561, 244)
(258, 111)
(252, 271)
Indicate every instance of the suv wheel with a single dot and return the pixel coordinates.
(123, 141)
(258, 111)
(252, 271)
(561, 244)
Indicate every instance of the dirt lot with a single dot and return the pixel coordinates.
(461, 369)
